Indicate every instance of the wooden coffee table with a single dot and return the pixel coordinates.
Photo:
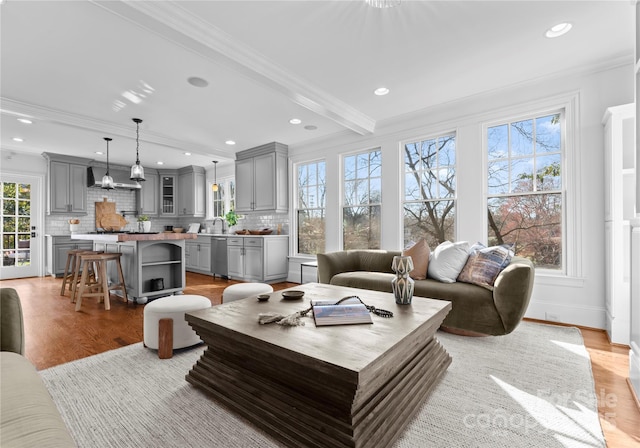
(336, 386)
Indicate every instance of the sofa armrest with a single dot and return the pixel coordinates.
(333, 263)
(512, 291)
(11, 322)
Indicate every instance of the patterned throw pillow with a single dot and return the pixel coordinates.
(484, 265)
(419, 253)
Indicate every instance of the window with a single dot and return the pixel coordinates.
(311, 207)
(430, 190)
(223, 200)
(525, 204)
(362, 199)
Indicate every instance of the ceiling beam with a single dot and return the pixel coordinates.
(173, 22)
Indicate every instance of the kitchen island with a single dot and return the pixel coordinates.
(153, 263)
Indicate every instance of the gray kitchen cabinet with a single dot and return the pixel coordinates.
(191, 192)
(145, 262)
(57, 247)
(67, 184)
(148, 197)
(258, 259)
(261, 179)
(198, 255)
(168, 192)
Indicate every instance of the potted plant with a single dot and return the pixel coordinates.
(231, 218)
(144, 225)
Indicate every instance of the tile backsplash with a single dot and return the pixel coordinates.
(126, 202)
(124, 199)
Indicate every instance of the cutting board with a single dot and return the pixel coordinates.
(106, 216)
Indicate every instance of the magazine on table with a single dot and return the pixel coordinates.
(350, 311)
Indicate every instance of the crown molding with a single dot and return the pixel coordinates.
(19, 109)
(183, 28)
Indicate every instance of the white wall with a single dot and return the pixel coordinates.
(576, 298)
(13, 162)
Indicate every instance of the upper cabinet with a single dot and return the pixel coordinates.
(168, 193)
(261, 179)
(191, 191)
(148, 197)
(67, 184)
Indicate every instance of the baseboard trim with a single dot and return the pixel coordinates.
(564, 324)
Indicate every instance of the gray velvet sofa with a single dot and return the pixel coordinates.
(29, 417)
(475, 310)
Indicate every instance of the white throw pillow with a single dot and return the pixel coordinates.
(447, 260)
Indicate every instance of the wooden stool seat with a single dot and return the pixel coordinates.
(101, 288)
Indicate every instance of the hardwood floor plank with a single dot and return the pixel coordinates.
(56, 334)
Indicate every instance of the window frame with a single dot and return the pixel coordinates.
(403, 172)
(226, 183)
(296, 209)
(342, 201)
(570, 192)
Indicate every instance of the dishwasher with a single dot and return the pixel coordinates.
(219, 256)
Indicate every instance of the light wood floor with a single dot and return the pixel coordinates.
(56, 334)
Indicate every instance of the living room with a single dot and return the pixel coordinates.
(572, 292)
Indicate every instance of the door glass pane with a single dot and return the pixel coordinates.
(16, 224)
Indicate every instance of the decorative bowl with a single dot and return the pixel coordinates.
(261, 232)
(263, 297)
(292, 294)
(178, 230)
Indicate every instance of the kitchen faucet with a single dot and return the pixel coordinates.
(221, 220)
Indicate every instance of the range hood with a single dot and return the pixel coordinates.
(120, 178)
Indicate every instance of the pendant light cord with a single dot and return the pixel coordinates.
(137, 142)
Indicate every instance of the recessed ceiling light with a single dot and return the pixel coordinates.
(311, 127)
(558, 30)
(159, 163)
(198, 82)
(99, 152)
(17, 139)
(295, 121)
(230, 142)
(187, 153)
(381, 91)
(25, 121)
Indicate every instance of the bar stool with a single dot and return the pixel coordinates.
(100, 289)
(92, 277)
(70, 269)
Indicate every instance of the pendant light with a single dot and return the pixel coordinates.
(137, 171)
(215, 187)
(107, 180)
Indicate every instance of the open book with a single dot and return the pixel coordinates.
(350, 311)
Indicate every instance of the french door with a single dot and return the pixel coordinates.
(20, 244)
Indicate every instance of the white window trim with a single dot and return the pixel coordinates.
(402, 143)
(221, 181)
(293, 218)
(341, 203)
(571, 193)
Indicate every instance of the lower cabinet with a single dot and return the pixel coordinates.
(198, 255)
(257, 258)
(151, 268)
(57, 248)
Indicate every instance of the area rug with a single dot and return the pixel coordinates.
(532, 388)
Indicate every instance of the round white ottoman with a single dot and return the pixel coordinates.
(244, 290)
(164, 326)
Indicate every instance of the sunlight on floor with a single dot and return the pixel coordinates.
(571, 423)
(578, 349)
